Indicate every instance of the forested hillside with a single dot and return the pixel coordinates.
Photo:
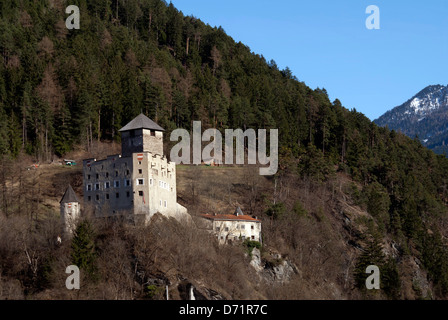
(63, 88)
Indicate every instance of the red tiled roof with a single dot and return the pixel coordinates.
(230, 217)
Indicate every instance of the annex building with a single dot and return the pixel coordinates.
(233, 227)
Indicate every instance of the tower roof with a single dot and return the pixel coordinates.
(238, 212)
(142, 122)
(69, 195)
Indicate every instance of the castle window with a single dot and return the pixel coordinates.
(127, 172)
(140, 171)
(160, 202)
(128, 194)
(89, 198)
(116, 173)
(107, 174)
(252, 227)
(153, 133)
(107, 185)
(139, 162)
(243, 226)
(140, 193)
(89, 187)
(117, 195)
(226, 229)
(253, 237)
(97, 186)
(107, 196)
(88, 177)
(97, 176)
(165, 203)
(217, 228)
(127, 182)
(140, 182)
(117, 184)
(150, 181)
(97, 197)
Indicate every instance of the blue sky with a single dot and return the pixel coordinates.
(326, 44)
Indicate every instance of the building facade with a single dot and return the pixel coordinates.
(138, 183)
(233, 227)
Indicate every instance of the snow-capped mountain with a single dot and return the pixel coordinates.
(424, 115)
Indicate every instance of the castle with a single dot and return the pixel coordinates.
(136, 184)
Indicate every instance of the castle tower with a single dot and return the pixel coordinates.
(141, 135)
(70, 210)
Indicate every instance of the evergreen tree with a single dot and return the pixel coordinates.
(83, 248)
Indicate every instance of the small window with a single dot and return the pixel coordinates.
(116, 173)
(97, 176)
(89, 187)
(153, 133)
(107, 174)
(253, 237)
(140, 193)
(97, 197)
(107, 185)
(140, 182)
(226, 229)
(127, 182)
(127, 172)
(217, 228)
(107, 196)
(88, 177)
(140, 171)
(165, 203)
(117, 184)
(89, 198)
(243, 226)
(117, 195)
(252, 227)
(140, 162)
(97, 186)
(128, 194)
(150, 181)
(160, 202)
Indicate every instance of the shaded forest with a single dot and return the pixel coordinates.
(64, 88)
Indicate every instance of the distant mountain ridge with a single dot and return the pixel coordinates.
(425, 115)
